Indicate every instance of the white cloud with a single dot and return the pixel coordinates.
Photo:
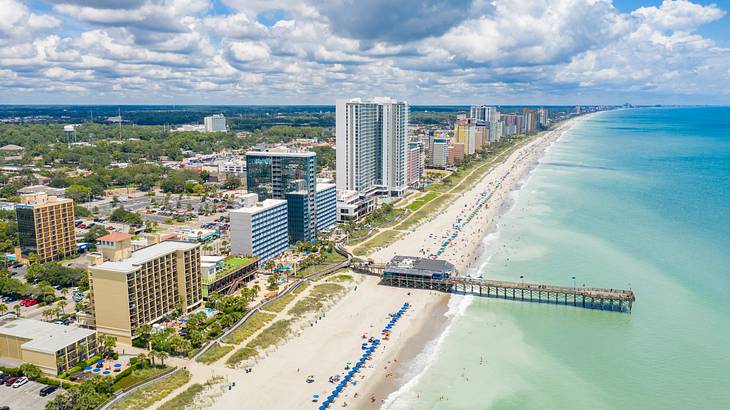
(499, 50)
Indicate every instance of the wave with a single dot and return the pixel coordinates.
(423, 361)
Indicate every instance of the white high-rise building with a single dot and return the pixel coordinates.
(372, 141)
(259, 228)
(215, 123)
(484, 113)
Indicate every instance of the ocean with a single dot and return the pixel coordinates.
(635, 199)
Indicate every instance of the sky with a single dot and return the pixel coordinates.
(316, 51)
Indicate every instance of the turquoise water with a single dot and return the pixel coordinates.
(633, 198)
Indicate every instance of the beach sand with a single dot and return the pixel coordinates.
(278, 380)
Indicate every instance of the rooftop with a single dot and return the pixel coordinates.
(11, 147)
(45, 337)
(321, 186)
(302, 154)
(422, 266)
(144, 255)
(260, 206)
(115, 237)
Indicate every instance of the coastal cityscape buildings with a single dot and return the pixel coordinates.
(132, 289)
(45, 227)
(259, 228)
(372, 139)
(291, 176)
(326, 205)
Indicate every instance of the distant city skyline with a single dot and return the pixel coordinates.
(450, 52)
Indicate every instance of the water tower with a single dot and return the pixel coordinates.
(69, 131)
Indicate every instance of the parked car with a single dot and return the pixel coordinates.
(10, 380)
(4, 407)
(21, 381)
(28, 302)
(81, 226)
(47, 390)
(4, 378)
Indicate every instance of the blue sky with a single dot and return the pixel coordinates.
(314, 51)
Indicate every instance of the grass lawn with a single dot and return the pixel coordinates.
(257, 321)
(241, 355)
(137, 376)
(340, 278)
(301, 288)
(419, 202)
(379, 240)
(425, 211)
(330, 259)
(147, 396)
(214, 353)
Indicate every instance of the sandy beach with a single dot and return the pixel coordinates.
(324, 349)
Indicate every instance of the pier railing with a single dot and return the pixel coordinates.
(590, 298)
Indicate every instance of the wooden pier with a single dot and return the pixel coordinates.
(590, 298)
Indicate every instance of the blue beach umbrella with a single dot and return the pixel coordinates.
(96, 370)
(106, 372)
(100, 361)
(315, 396)
(88, 368)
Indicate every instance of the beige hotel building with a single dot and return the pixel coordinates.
(130, 289)
(46, 227)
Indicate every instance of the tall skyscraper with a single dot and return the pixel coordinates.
(46, 226)
(372, 140)
(484, 113)
(291, 176)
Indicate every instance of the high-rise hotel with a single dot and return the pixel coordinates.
(131, 289)
(291, 176)
(372, 144)
(46, 227)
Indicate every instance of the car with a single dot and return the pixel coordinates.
(10, 380)
(4, 407)
(4, 378)
(28, 302)
(21, 381)
(47, 390)
(81, 226)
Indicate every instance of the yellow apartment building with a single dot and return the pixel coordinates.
(46, 227)
(130, 289)
(53, 348)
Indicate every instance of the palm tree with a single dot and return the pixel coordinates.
(47, 313)
(3, 308)
(162, 356)
(62, 304)
(142, 358)
(17, 309)
(64, 292)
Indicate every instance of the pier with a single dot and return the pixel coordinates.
(617, 300)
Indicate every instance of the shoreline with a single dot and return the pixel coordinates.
(405, 371)
(324, 348)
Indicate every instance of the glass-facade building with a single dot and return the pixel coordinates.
(291, 176)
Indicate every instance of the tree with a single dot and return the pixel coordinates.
(270, 265)
(231, 182)
(30, 370)
(3, 308)
(79, 193)
(180, 345)
(128, 217)
(17, 310)
(47, 313)
(96, 231)
(62, 305)
(108, 344)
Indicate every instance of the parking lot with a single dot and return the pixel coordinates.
(25, 397)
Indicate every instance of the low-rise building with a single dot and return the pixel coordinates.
(131, 289)
(351, 205)
(326, 205)
(221, 274)
(259, 228)
(53, 348)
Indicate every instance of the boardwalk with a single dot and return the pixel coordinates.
(590, 298)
